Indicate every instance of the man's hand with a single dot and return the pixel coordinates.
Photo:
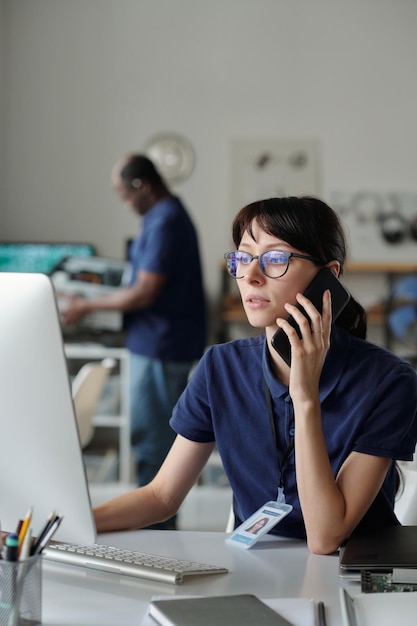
(72, 309)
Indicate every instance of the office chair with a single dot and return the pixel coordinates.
(87, 388)
(230, 525)
(406, 504)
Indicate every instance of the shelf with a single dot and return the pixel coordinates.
(121, 421)
(232, 312)
(381, 268)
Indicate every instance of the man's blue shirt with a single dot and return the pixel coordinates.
(174, 327)
(368, 402)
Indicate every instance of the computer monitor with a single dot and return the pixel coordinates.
(41, 462)
(39, 257)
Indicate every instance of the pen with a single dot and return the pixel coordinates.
(12, 547)
(48, 535)
(322, 614)
(51, 518)
(19, 526)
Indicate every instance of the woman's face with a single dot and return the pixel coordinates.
(258, 525)
(264, 298)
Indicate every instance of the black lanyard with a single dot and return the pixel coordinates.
(290, 447)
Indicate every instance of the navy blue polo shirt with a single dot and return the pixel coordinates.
(173, 328)
(368, 401)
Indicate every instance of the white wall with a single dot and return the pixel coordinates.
(87, 80)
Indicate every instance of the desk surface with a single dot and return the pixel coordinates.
(274, 568)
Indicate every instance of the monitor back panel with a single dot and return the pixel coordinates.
(41, 461)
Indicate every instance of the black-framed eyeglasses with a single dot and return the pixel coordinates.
(273, 263)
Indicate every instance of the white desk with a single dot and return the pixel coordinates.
(274, 568)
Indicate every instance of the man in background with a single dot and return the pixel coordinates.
(163, 305)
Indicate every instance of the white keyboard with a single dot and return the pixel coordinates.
(128, 562)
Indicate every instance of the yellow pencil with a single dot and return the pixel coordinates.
(25, 526)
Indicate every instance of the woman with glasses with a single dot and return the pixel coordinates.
(321, 435)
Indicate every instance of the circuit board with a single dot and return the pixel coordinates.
(371, 582)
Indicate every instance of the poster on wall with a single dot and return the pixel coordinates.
(381, 226)
(270, 168)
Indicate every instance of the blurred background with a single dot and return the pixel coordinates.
(237, 99)
(84, 81)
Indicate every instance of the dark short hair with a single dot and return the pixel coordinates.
(311, 226)
(306, 223)
(140, 167)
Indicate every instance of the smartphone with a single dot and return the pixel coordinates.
(325, 279)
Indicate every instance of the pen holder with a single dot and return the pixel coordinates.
(21, 592)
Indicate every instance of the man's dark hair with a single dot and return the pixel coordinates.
(139, 168)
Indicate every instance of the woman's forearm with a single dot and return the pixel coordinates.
(134, 509)
(332, 506)
(322, 503)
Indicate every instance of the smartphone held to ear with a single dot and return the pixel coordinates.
(325, 279)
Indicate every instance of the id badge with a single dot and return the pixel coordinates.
(261, 522)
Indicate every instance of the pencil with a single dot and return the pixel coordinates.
(25, 527)
(26, 546)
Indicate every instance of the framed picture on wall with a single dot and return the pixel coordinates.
(269, 168)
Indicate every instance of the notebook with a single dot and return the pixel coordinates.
(381, 609)
(383, 548)
(298, 611)
(233, 610)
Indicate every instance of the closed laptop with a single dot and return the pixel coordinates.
(381, 549)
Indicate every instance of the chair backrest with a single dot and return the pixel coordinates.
(230, 525)
(87, 388)
(406, 504)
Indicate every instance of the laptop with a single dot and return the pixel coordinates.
(379, 549)
(41, 464)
